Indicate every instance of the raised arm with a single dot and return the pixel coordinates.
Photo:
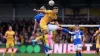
(35, 26)
(42, 11)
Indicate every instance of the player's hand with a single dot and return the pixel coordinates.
(70, 32)
(72, 40)
(83, 47)
(34, 9)
(16, 38)
(4, 37)
(33, 33)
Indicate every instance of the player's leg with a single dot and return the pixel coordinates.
(44, 29)
(50, 39)
(12, 47)
(80, 49)
(97, 48)
(63, 29)
(46, 50)
(5, 51)
(7, 48)
(45, 38)
(76, 49)
(52, 27)
(55, 27)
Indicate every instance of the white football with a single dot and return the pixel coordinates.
(51, 2)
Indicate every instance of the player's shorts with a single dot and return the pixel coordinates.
(52, 27)
(43, 26)
(78, 47)
(9, 44)
(97, 45)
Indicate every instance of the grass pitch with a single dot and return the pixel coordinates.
(42, 54)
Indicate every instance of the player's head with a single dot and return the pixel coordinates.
(55, 10)
(10, 28)
(76, 27)
(42, 8)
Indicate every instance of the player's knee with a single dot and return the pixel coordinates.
(45, 32)
(77, 51)
(7, 49)
(12, 49)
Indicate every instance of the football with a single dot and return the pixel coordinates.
(51, 2)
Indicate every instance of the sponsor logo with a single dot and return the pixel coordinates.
(69, 48)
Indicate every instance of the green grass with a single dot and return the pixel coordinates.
(42, 54)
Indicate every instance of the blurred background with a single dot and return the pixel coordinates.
(19, 14)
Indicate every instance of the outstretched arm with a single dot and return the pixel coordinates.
(94, 35)
(67, 31)
(42, 11)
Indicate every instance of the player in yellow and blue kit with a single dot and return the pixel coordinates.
(49, 16)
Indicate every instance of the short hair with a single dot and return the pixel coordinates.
(9, 26)
(77, 25)
(43, 7)
(55, 7)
